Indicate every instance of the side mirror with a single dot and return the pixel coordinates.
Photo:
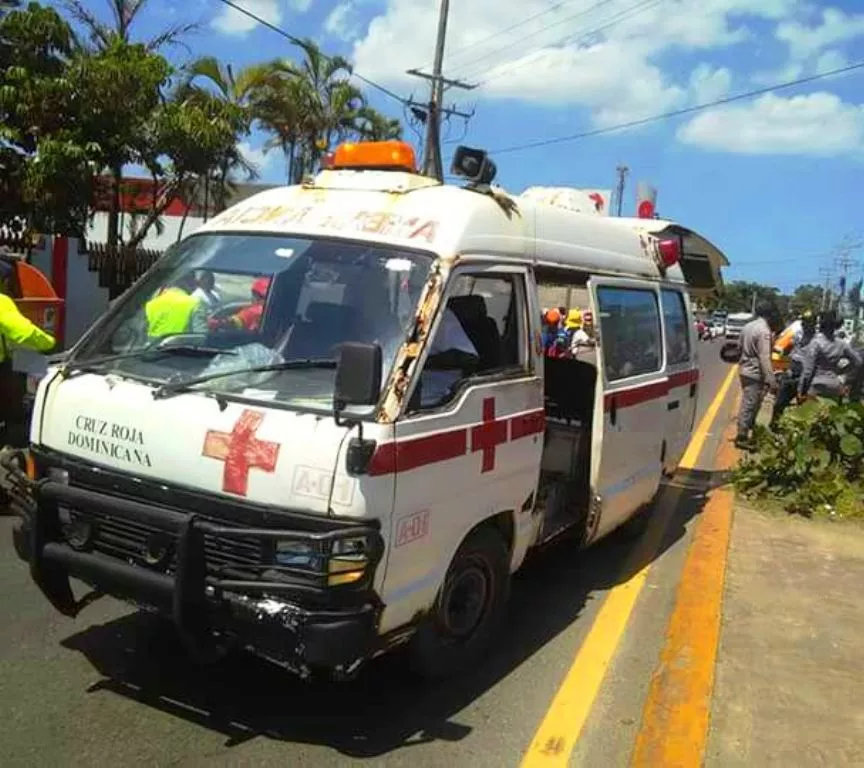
(730, 352)
(358, 375)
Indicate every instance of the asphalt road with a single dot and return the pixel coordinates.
(112, 688)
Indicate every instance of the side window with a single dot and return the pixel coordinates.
(677, 331)
(482, 331)
(630, 331)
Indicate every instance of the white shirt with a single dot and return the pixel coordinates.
(211, 298)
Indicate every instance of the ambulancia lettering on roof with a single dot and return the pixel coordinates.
(322, 217)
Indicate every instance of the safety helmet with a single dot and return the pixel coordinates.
(260, 287)
(574, 318)
(552, 316)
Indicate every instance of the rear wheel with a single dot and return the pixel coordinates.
(468, 608)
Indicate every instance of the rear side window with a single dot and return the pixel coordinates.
(630, 332)
(677, 330)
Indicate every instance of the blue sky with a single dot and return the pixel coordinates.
(774, 181)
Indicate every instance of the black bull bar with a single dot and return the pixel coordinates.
(341, 627)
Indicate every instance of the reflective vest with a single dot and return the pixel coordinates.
(170, 312)
(18, 330)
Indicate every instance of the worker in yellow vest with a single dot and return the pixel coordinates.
(15, 331)
(175, 310)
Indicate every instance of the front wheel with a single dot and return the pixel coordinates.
(468, 608)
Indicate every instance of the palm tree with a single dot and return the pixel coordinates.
(237, 90)
(101, 37)
(371, 125)
(124, 13)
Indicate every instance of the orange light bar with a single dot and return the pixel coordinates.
(376, 155)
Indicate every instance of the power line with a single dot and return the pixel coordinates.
(304, 45)
(457, 51)
(558, 23)
(627, 13)
(678, 112)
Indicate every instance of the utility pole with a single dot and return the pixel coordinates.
(622, 171)
(845, 260)
(432, 163)
(828, 274)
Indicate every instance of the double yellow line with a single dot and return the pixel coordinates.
(564, 720)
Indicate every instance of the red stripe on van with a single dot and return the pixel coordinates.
(683, 378)
(652, 391)
(405, 455)
(527, 424)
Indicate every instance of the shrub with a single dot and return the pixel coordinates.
(812, 461)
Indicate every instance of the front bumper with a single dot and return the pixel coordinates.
(213, 577)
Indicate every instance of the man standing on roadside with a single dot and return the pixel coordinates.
(756, 371)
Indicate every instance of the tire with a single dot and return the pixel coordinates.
(451, 637)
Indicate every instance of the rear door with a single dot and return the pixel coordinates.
(682, 372)
(632, 421)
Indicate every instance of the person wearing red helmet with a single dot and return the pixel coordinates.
(248, 318)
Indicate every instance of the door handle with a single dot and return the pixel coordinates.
(693, 389)
(613, 411)
(673, 405)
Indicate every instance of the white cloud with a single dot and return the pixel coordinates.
(835, 27)
(829, 61)
(816, 125)
(604, 56)
(709, 84)
(339, 22)
(261, 161)
(230, 21)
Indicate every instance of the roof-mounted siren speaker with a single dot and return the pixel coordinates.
(473, 165)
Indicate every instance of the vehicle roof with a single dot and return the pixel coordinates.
(416, 211)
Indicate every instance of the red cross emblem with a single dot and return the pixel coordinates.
(488, 435)
(241, 452)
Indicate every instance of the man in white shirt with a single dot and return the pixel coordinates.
(206, 291)
(450, 337)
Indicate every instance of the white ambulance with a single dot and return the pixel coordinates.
(360, 453)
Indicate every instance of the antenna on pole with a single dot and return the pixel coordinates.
(432, 162)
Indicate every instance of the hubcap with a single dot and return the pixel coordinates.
(464, 600)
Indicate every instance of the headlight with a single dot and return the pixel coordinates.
(297, 554)
(348, 561)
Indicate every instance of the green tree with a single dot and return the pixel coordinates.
(204, 79)
(111, 47)
(310, 106)
(740, 296)
(371, 125)
(46, 158)
(806, 297)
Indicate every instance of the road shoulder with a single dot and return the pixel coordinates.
(789, 670)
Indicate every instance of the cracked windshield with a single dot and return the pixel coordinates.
(222, 304)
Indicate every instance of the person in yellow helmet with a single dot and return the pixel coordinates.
(175, 310)
(15, 331)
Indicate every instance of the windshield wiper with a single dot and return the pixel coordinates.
(173, 387)
(95, 363)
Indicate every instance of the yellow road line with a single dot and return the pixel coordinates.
(557, 735)
(675, 719)
(691, 455)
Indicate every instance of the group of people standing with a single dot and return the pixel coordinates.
(821, 364)
(566, 332)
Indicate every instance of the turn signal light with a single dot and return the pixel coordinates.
(375, 155)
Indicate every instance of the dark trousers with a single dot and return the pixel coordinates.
(752, 395)
(786, 392)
